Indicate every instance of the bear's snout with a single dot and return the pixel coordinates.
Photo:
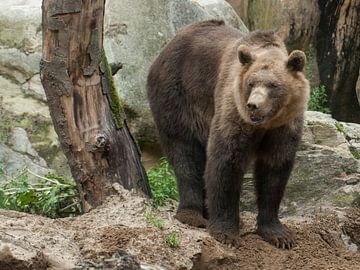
(258, 104)
(258, 99)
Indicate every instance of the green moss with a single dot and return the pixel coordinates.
(354, 152)
(6, 122)
(356, 201)
(347, 170)
(310, 61)
(114, 99)
(299, 189)
(130, 112)
(339, 127)
(343, 199)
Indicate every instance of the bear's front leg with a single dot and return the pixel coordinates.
(225, 166)
(275, 160)
(270, 185)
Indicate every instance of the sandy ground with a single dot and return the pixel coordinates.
(326, 241)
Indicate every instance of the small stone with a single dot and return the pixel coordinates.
(352, 180)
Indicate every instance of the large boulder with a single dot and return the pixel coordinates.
(134, 35)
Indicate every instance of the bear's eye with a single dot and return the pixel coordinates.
(251, 84)
(273, 85)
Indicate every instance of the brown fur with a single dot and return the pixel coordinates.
(199, 89)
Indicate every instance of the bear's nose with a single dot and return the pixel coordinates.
(257, 99)
(252, 106)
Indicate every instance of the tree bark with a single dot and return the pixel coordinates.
(338, 56)
(84, 105)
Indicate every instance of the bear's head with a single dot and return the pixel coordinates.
(272, 89)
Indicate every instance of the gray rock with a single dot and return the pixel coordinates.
(20, 155)
(134, 35)
(352, 134)
(19, 142)
(15, 162)
(15, 101)
(18, 66)
(34, 88)
(219, 9)
(322, 130)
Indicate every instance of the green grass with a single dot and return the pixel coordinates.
(318, 100)
(52, 196)
(153, 220)
(172, 240)
(163, 184)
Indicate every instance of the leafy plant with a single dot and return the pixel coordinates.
(318, 100)
(172, 240)
(163, 183)
(51, 196)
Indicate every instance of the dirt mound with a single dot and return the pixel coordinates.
(319, 246)
(326, 241)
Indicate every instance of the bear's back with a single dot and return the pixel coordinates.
(183, 78)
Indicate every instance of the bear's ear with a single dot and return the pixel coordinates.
(244, 55)
(296, 61)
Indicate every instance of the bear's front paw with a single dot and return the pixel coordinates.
(191, 217)
(225, 238)
(277, 234)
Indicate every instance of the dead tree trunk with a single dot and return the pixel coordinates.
(338, 56)
(84, 105)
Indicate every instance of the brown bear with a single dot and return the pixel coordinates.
(221, 99)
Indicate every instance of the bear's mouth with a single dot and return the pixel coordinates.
(257, 119)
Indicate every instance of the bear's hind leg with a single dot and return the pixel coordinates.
(187, 158)
(270, 183)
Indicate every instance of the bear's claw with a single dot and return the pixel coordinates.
(228, 239)
(191, 217)
(278, 235)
